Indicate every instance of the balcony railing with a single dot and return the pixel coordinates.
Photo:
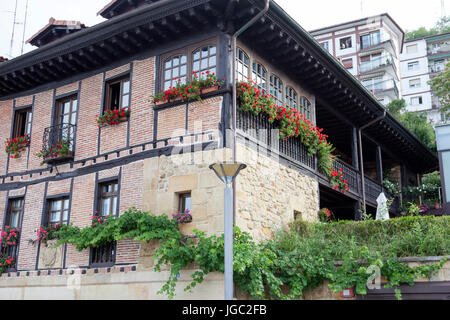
(436, 68)
(372, 42)
(381, 85)
(259, 128)
(57, 135)
(378, 62)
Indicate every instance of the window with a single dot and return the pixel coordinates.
(348, 63)
(259, 76)
(411, 48)
(305, 107)
(345, 43)
(117, 94)
(108, 198)
(175, 70)
(276, 89)
(15, 209)
(370, 39)
(107, 206)
(13, 220)
(243, 66)
(413, 66)
(325, 45)
(22, 122)
(414, 83)
(185, 202)
(58, 211)
(204, 59)
(291, 98)
(177, 67)
(416, 100)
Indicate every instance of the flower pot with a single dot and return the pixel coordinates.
(210, 89)
(437, 205)
(123, 119)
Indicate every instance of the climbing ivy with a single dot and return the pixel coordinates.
(268, 270)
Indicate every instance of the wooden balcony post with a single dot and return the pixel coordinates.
(379, 165)
(355, 160)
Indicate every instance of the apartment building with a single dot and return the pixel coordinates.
(421, 60)
(156, 157)
(369, 49)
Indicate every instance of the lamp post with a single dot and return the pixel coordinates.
(227, 172)
(443, 148)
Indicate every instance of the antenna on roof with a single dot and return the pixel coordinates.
(362, 8)
(24, 27)
(13, 30)
(443, 13)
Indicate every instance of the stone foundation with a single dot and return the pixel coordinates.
(270, 195)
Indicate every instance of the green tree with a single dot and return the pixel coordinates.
(442, 26)
(416, 122)
(441, 87)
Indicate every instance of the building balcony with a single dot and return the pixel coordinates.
(383, 88)
(377, 64)
(382, 45)
(58, 143)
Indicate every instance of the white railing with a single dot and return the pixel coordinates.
(376, 63)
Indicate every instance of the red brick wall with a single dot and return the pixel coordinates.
(81, 213)
(202, 116)
(172, 122)
(41, 119)
(6, 108)
(88, 109)
(142, 86)
(34, 202)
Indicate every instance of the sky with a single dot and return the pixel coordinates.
(409, 14)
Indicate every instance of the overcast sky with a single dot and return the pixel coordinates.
(409, 14)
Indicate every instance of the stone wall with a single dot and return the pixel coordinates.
(165, 178)
(118, 283)
(270, 195)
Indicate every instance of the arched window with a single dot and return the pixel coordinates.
(175, 68)
(204, 59)
(291, 98)
(305, 107)
(276, 89)
(242, 65)
(259, 76)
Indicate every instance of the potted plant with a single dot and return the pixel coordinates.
(13, 146)
(60, 151)
(113, 117)
(325, 215)
(209, 83)
(48, 233)
(183, 217)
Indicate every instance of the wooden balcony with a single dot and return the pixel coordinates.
(257, 129)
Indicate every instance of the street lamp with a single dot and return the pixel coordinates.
(227, 172)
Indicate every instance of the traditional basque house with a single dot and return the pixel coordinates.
(156, 156)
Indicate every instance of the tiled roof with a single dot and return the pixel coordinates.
(52, 23)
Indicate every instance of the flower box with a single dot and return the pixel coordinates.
(113, 117)
(14, 146)
(58, 158)
(210, 89)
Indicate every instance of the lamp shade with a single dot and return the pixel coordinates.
(227, 169)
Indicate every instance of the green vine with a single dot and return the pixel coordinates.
(276, 269)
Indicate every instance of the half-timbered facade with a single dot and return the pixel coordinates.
(157, 157)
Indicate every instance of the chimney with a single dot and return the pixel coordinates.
(54, 30)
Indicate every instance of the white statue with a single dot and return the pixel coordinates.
(382, 208)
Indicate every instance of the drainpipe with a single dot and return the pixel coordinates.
(233, 82)
(363, 180)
